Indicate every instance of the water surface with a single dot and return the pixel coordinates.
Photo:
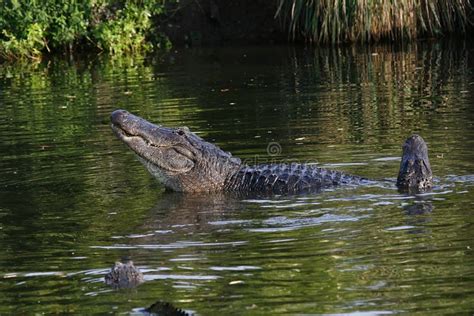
(73, 199)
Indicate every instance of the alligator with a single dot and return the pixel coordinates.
(184, 162)
(161, 308)
(124, 275)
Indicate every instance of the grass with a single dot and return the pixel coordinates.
(335, 21)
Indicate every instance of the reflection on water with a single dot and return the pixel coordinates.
(73, 199)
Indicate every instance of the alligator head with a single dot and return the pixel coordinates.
(124, 275)
(180, 159)
(415, 170)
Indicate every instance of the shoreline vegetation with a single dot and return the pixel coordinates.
(336, 21)
(30, 29)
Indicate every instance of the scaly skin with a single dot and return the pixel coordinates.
(184, 162)
(165, 309)
(288, 179)
(415, 169)
(124, 275)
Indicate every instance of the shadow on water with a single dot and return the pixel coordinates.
(73, 199)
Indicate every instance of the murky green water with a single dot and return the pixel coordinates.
(73, 199)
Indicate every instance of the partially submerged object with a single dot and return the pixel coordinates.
(124, 275)
(184, 162)
(415, 169)
(165, 309)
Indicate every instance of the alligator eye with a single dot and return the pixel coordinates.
(180, 132)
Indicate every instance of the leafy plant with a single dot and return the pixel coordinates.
(117, 27)
(31, 46)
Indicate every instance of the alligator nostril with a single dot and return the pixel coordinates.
(117, 115)
(180, 132)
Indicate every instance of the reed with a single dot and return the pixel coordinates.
(335, 21)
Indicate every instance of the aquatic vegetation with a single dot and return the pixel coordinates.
(334, 21)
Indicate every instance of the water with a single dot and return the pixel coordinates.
(73, 199)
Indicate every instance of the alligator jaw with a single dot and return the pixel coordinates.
(158, 148)
(415, 173)
(178, 158)
(124, 135)
(142, 142)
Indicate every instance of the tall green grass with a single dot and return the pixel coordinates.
(334, 21)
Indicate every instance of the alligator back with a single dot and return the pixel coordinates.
(288, 178)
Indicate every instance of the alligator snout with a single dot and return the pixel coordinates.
(117, 116)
